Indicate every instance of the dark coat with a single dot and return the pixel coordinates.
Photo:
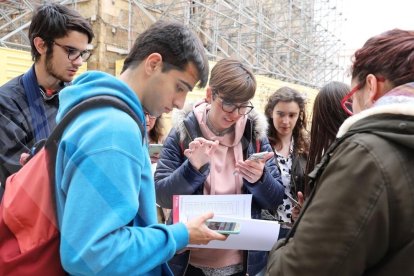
(359, 219)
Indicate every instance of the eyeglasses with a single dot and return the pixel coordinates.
(73, 53)
(231, 107)
(149, 115)
(346, 102)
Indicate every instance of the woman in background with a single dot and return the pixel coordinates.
(327, 117)
(155, 133)
(286, 115)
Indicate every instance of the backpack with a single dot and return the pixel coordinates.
(29, 234)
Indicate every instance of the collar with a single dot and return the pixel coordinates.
(49, 94)
(399, 101)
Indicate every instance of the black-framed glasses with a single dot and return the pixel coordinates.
(228, 107)
(346, 102)
(73, 53)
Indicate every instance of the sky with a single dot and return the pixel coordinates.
(366, 18)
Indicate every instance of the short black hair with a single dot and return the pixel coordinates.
(177, 45)
(52, 20)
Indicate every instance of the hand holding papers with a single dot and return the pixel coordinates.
(254, 234)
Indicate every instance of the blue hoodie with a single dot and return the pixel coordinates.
(103, 183)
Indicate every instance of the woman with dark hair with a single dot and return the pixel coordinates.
(155, 129)
(327, 117)
(206, 153)
(286, 114)
(358, 220)
(155, 134)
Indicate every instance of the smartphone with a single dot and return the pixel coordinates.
(224, 227)
(258, 155)
(294, 201)
(155, 149)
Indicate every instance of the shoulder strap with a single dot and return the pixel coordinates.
(97, 101)
(188, 137)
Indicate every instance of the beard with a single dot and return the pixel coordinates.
(51, 70)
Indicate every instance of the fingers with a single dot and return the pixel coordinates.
(24, 157)
(199, 151)
(199, 232)
(251, 170)
(202, 146)
(250, 175)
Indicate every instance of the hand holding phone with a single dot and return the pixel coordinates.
(224, 227)
(294, 201)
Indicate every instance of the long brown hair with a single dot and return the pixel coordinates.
(156, 134)
(327, 117)
(299, 133)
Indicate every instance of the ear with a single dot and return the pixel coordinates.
(209, 95)
(40, 45)
(375, 89)
(152, 63)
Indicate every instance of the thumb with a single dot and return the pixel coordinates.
(206, 216)
(187, 153)
(268, 156)
(300, 198)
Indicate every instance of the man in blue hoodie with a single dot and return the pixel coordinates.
(103, 172)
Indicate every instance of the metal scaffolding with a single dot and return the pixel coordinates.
(15, 19)
(292, 40)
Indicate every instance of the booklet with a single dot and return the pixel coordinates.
(254, 234)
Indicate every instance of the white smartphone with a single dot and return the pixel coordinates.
(155, 149)
(258, 155)
(224, 227)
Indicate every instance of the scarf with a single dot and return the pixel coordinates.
(37, 109)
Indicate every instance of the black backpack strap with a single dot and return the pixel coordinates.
(97, 101)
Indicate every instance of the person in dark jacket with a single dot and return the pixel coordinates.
(206, 152)
(359, 218)
(285, 112)
(59, 38)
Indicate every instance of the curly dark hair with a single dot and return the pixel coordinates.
(300, 137)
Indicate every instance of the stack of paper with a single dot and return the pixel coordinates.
(254, 234)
